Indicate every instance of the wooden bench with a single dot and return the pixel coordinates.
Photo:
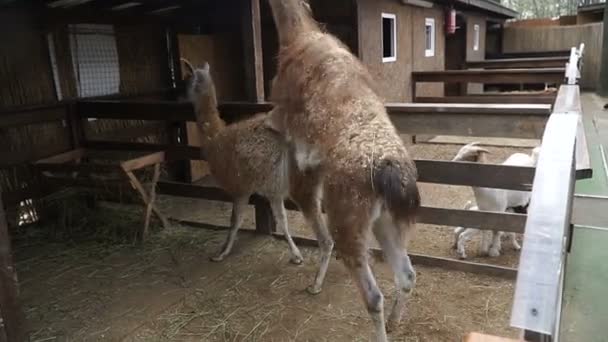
(77, 168)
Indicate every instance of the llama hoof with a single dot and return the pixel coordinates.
(493, 253)
(391, 325)
(462, 256)
(296, 260)
(217, 258)
(313, 290)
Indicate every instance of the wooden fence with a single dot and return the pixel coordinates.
(551, 38)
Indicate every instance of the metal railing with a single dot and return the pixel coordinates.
(538, 293)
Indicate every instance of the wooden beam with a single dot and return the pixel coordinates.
(432, 261)
(430, 215)
(141, 162)
(529, 54)
(69, 156)
(252, 48)
(172, 152)
(474, 174)
(518, 63)
(472, 109)
(34, 115)
(136, 110)
(502, 76)
(497, 99)
(506, 222)
(523, 121)
(10, 308)
(417, 259)
(81, 169)
(523, 126)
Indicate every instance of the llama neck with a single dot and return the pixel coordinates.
(292, 19)
(208, 117)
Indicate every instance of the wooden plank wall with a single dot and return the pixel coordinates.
(29, 93)
(550, 38)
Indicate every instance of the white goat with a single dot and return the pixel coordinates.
(489, 199)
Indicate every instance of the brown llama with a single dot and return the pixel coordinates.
(327, 108)
(247, 158)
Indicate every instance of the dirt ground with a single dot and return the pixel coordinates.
(168, 290)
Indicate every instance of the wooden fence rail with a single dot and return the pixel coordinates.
(518, 63)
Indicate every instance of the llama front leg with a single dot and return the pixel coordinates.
(280, 217)
(236, 220)
(391, 241)
(359, 268)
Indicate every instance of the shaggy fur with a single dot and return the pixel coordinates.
(327, 108)
(247, 158)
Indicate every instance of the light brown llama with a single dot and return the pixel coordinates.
(326, 106)
(247, 158)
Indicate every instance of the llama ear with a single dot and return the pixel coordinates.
(206, 67)
(306, 5)
(189, 67)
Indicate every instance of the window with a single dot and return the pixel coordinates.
(389, 37)
(429, 37)
(476, 37)
(95, 59)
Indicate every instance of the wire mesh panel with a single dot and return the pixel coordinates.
(95, 59)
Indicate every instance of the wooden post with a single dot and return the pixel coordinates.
(264, 219)
(178, 134)
(252, 47)
(74, 124)
(603, 80)
(10, 310)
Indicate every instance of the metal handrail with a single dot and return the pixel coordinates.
(537, 300)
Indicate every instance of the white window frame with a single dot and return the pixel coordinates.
(476, 33)
(429, 52)
(392, 17)
(95, 55)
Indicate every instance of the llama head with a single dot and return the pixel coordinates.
(292, 17)
(198, 80)
(471, 153)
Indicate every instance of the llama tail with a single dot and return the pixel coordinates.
(395, 182)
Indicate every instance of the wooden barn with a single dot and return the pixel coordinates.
(94, 122)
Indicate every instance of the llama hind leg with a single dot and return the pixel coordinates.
(391, 241)
(280, 217)
(358, 267)
(326, 245)
(236, 220)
